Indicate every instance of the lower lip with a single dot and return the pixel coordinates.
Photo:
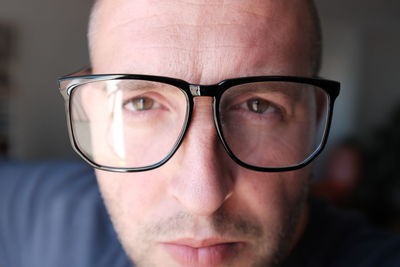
(203, 256)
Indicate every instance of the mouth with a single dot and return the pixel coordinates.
(207, 252)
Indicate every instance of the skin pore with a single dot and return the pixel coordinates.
(201, 208)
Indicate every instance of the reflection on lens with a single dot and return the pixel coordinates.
(127, 123)
(273, 124)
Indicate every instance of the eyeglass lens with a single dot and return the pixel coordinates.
(273, 124)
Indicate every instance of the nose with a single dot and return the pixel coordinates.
(204, 174)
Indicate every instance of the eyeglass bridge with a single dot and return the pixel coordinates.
(195, 90)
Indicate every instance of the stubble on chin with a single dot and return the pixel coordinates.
(271, 248)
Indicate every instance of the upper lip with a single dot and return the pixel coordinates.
(199, 243)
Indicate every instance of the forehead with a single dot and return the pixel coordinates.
(202, 41)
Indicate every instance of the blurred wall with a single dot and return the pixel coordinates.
(361, 49)
(50, 39)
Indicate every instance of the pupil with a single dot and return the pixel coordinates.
(257, 105)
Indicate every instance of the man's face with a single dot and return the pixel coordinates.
(201, 208)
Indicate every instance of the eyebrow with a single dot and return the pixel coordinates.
(132, 85)
(288, 89)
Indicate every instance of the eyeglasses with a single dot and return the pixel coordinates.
(129, 122)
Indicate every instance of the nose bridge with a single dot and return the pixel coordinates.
(201, 106)
(199, 93)
(202, 182)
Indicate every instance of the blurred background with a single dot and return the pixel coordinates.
(44, 39)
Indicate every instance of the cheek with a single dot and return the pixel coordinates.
(270, 197)
(130, 198)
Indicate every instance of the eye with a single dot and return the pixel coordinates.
(259, 106)
(140, 104)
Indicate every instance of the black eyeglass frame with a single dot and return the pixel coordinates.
(67, 85)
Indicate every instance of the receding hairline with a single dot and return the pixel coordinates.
(315, 33)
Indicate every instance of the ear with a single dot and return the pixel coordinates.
(86, 71)
(82, 72)
(85, 98)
